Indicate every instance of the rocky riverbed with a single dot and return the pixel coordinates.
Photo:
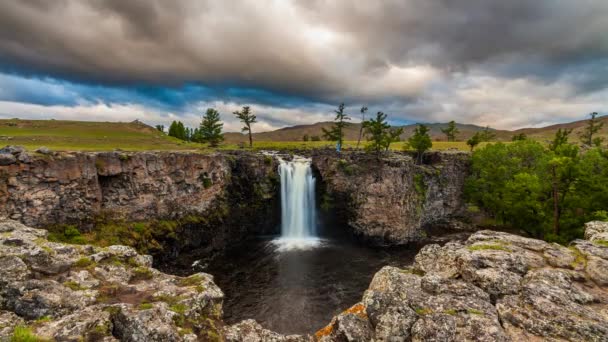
(492, 287)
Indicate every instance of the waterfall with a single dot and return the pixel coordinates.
(298, 209)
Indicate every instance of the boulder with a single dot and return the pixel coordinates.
(7, 159)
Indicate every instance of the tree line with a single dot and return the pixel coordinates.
(549, 191)
(210, 130)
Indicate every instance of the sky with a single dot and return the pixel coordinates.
(506, 64)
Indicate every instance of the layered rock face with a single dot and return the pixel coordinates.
(74, 187)
(492, 287)
(391, 200)
(227, 190)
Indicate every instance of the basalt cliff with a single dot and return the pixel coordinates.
(491, 287)
(218, 199)
(392, 200)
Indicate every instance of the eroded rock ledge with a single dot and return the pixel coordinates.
(391, 200)
(492, 287)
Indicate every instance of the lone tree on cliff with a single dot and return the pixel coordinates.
(336, 132)
(450, 131)
(377, 132)
(363, 110)
(210, 130)
(247, 118)
(593, 126)
(420, 141)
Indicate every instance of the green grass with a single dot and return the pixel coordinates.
(83, 262)
(24, 334)
(485, 247)
(603, 243)
(192, 280)
(474, 312)
(62, 135)
(423, 311)
(74, 286)
(145, 306)
(308, 145)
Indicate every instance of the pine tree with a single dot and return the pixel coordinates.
(181, 131)
(450, 131)
(561, 138)
(420, 141)
(247, 118)
(172, 129)
(593, 126)
(336, 132)
(211, 128)
(474, 141)
(376, 129)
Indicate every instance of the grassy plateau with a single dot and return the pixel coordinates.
(59, 135)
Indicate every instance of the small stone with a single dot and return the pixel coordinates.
(7, 159)
(43, 150)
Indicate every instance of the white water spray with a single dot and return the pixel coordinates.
(298, 209)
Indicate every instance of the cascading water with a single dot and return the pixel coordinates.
(298, 209)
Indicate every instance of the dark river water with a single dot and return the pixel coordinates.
(298, 291)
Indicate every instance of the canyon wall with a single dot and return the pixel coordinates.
(387, 200)
(226, 193)
(391, 200)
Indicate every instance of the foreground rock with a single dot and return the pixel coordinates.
(70, 293)
(493, 287)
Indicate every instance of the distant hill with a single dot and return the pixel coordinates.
(296, 133)
(132, 136)
(87, 135)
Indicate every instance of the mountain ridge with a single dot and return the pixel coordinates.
(296, 133)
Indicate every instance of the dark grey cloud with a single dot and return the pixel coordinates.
(309, 47)
(422, 59)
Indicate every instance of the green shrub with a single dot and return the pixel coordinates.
(74, 286)
(83, 262)
(67, 234)
(192, 280)
(603, 243)
(141, 273)
(268, 160)
(139, 227)
(145, 306)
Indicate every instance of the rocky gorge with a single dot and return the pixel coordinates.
(217, 199)
(492, 287)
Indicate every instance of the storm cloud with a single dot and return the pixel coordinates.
(491, 62)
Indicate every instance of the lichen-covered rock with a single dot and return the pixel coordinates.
(596, 230)
(8, 322)
(390, 201)
(251, 331)
(493, 287)
(71, 293)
